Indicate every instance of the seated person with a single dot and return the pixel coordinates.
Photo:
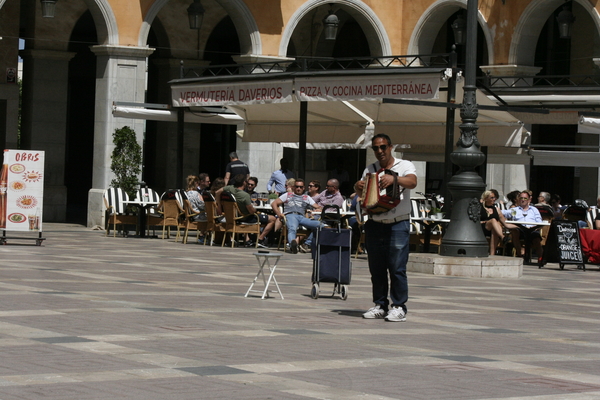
(242, 198)
(557, 208)
(491, 220)
(525, 213)
(250, 189)
(314, 188)
(295, 206)
(195, 198)
(331, 195)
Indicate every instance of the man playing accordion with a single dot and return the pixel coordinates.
(387, 231)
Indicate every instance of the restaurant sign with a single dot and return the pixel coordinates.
(231, 94)
(307, 89)
(22, 190)
(376, 88)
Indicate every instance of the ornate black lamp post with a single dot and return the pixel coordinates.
(464, 236)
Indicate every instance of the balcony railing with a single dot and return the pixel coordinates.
(321, 64)
(540, 82)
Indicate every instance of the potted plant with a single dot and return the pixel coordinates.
(126, 161)
(436, 213)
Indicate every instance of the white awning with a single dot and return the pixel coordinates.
(171, 115)
(342, 108)
(566, 158)
(588, 125)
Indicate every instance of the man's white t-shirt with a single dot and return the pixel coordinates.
(402, 168)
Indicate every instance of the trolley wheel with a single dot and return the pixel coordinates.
(562, 266)
(38, 242)
(344, 292)
(314, 291)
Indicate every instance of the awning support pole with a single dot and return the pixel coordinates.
(302, 139)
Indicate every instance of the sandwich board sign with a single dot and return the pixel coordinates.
(22, 192)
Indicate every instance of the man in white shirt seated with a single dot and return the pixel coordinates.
(524, 213)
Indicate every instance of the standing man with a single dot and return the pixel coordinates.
(294, 209)
(387, 235)
(235, 167)
(278, 178)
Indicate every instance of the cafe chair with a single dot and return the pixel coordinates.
(116, 211)
(233, 217)
(172, 213)
(591, 217)
(189, 223)
(330, 215)
(212, 226)
(302, 233)
(144, 195)
(147, 195)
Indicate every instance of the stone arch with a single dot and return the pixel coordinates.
(430, 23)
(106, 23)
(104, 18)
(533, 18)
(377, 37)
(237, 10)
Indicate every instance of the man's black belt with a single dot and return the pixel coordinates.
(293, 212)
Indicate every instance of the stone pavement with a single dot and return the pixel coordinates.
(88, 317)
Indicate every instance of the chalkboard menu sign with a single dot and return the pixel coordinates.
(563, 245)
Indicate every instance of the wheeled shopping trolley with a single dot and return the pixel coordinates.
(331, 260)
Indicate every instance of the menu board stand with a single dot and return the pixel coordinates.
(22, 194)
(563, 245)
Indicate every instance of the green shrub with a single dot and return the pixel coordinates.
(126, 160)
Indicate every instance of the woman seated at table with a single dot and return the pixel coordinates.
(492, 221)
(195, 198)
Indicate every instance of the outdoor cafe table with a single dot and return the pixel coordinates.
(142, 207)
(427, 224)
(534, 226)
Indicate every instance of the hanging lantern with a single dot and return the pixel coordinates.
(459, 27)
(565, 21)
(331, 23)
(48, 7)
(195, 14)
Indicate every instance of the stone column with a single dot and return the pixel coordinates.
(44, 121)
(120, 76)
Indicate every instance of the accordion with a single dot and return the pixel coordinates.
(376, 201)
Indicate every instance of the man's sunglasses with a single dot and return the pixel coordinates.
(383, 147)
(299, 187)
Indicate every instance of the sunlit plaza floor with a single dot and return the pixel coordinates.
(86, 316)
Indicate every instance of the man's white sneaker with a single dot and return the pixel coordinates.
(374, 312)
(396, 314)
